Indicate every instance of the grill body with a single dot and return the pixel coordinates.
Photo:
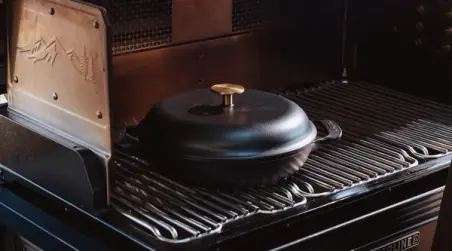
(396, 207)
(338, 60)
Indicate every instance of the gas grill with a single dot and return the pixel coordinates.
(73, 179)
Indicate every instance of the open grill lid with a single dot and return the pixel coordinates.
(218, 123)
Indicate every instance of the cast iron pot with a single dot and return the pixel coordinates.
(216, 137)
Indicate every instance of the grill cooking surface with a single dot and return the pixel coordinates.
(384, 132)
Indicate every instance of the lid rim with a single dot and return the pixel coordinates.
(268, 126)
(276, 152)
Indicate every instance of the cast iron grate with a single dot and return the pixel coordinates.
(384, 132)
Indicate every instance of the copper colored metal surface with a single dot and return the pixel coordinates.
(142, 79)
(200, 19)
(58, 69)
(137, 25)
(205, 50)
(253, 60)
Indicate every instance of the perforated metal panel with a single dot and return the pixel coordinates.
(246, 15)
(138, 24)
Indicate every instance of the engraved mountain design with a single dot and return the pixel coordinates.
(41, 50)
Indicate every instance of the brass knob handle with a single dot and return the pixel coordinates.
(227, 91)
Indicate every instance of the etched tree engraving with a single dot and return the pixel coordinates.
(90, 74)
(83, 62)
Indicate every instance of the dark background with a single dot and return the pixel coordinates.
(2, 32)
(2, 46)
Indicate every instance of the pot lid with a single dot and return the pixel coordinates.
(227, 122)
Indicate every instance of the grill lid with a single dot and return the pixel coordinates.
(227, 122)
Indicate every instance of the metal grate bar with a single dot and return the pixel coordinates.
(366, 110)
(384, 132)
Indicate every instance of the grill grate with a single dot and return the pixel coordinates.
(138, 24)
(384, 132)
